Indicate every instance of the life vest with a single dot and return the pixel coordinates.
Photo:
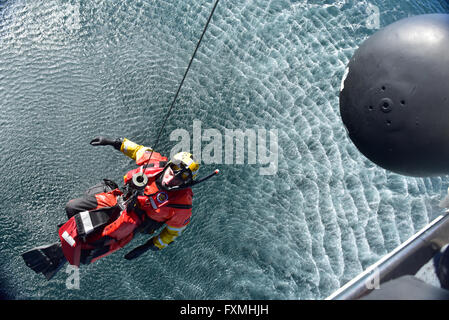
(171, 207)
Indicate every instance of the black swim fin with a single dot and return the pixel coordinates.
(45, 259)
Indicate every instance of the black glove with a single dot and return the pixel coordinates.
(104, 141)
(149, 245)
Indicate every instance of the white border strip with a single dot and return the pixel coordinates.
(383, 259)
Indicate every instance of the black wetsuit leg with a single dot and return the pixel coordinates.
(88, 201)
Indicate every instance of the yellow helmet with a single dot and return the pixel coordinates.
(184, 166)
(183, 161)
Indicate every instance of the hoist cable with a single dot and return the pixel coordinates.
(180, 86)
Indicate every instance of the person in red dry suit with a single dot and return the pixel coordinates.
(165, 199)
(105, 218)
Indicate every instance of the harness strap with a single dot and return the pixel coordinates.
(179, 206)
(161, 164)
(90, 221)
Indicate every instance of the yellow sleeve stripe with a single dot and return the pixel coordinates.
(141, 151)
(132, 150)
(176, 229)
(168, 235)
(161, 243)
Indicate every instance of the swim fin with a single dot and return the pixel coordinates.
(46, 259)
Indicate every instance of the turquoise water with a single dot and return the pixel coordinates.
(71, 70)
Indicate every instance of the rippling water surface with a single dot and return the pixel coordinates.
(71, 70)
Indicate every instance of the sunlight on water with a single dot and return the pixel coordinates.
(72, 71)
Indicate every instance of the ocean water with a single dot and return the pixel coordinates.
(72, 70)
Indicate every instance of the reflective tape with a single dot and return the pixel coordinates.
(161, 242)
(68, 238)
(87, 222)
(176, 229)
(129, 145)
(153, 204)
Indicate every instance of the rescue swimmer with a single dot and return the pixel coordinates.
(105, 218)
